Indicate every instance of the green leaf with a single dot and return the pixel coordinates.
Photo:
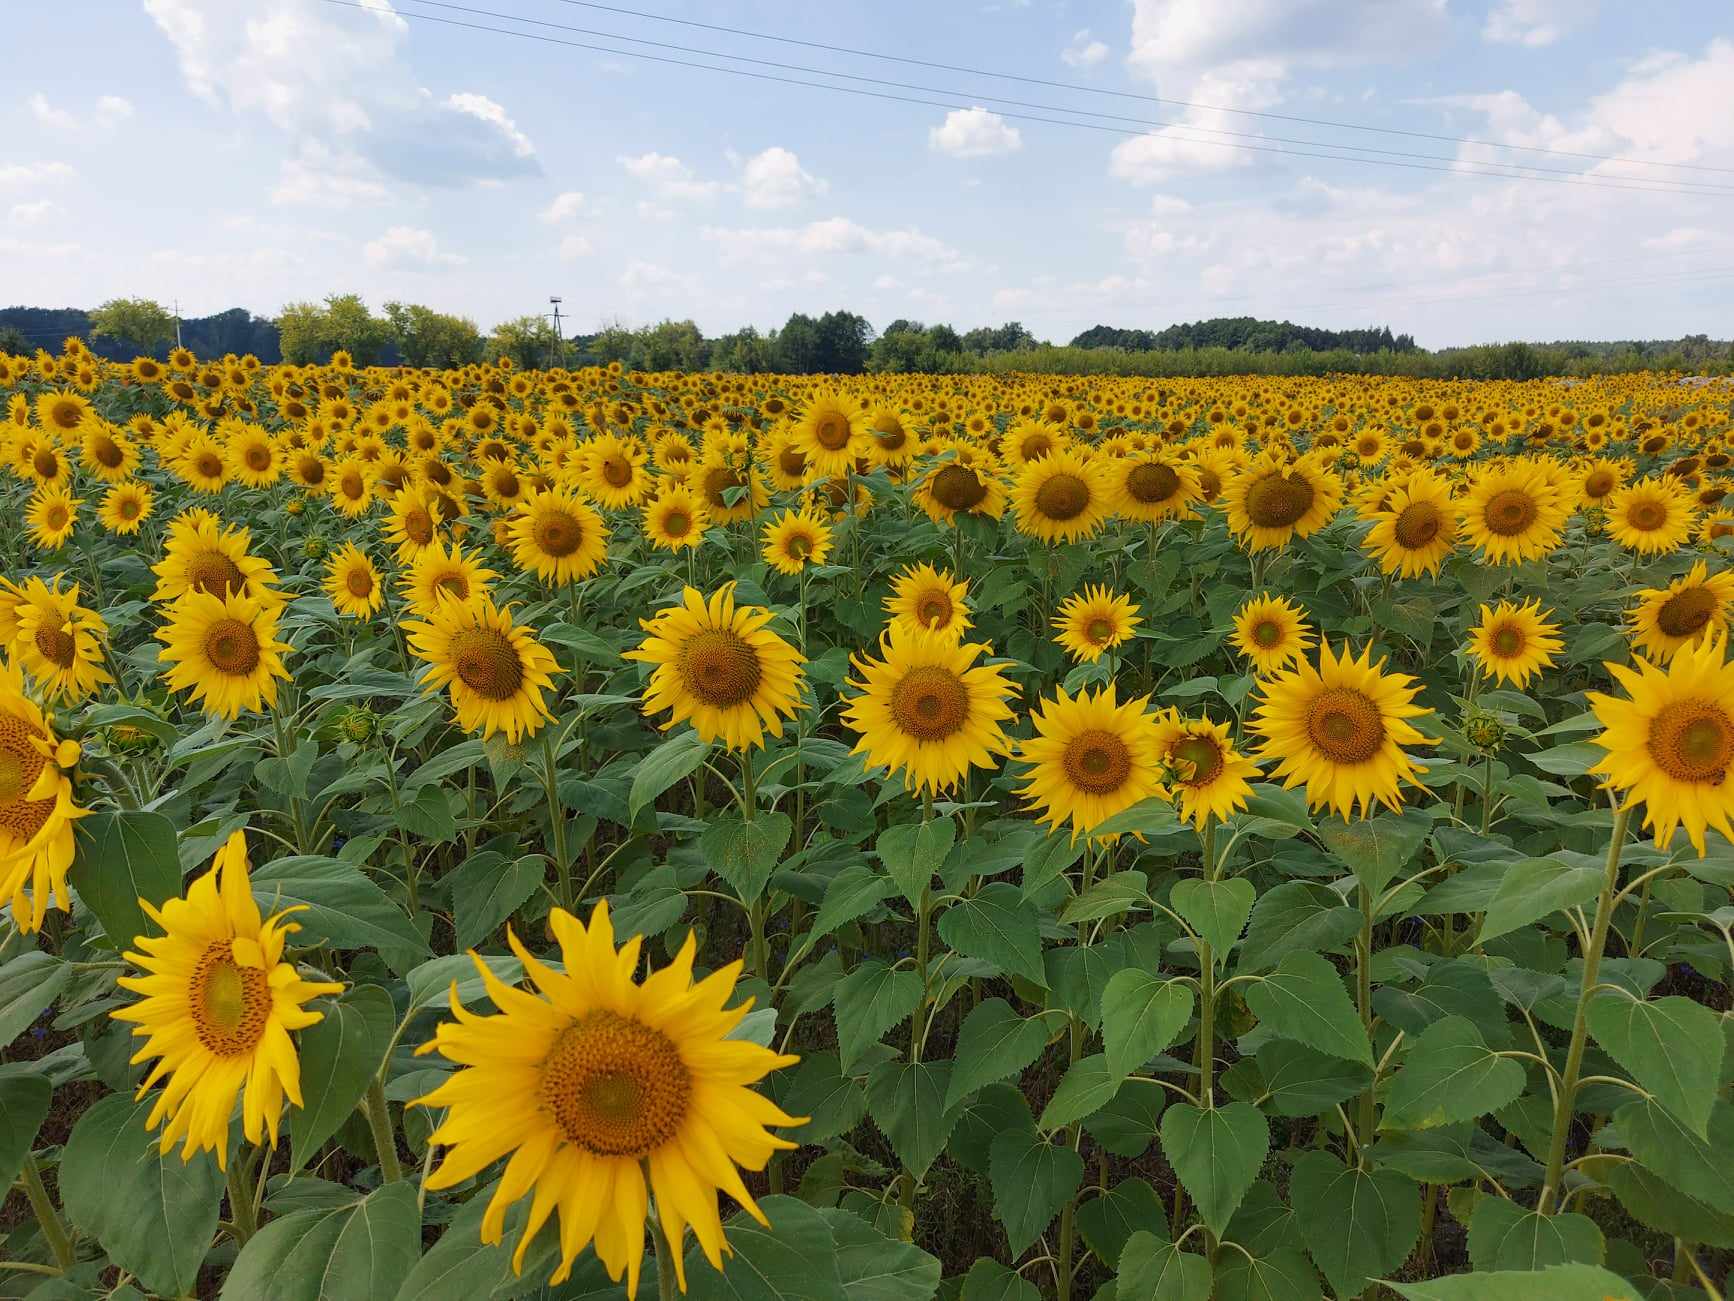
(1141, 1015)
(1303, 1081)
(1304, 1000)
(460, 1264)
(1032, 1178)
(1085, 1089)
(833, 1102)
(1048, 858)
(852, 893)
(913, 851)
(1450, 1074)
(24, 1103)
(1154, 1269)
(340, 1055)
(677, 757)
(28, 984)
(1671, 1046)
(994, 1042)
(1217, 910)
(1279, 1276)
(1216, 1153)
(1504, 1235)
(1534, 888)
(869, 1001)
(344, 908)
(746, 853)
(1560, 1283)
(1359, 1225)
(907, 1102)
(1573, 759)
(1108, 1221)
(1377, 849)
(988, 1280)
(1109, 897)
(429, 816)
(999, 926)
(1146, 817)
(357, 1252)
(120, 859)
(1696, 1167)
(1295, 917)
(1654, 1203)
(486, 890)
(874, 1267)
(153, 1215)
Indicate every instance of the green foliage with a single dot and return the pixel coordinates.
(142, 322)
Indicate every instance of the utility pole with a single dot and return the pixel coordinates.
(560, 338)
(177, 322)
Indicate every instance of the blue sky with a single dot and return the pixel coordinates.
(251, 152)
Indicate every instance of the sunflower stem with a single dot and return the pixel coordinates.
(53, 1230)
(666, 1288)
(1592, 961)
(119, 785)
(557, 822)
(297, 815)
(384, 1137)
(1364, 1003)
(243, 1215)
(1207, 986)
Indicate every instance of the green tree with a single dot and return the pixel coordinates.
(142, 322)
(12, 340)
(425, 337)
(311, 332)
(531, 343)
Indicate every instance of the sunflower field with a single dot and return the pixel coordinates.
(573, 834)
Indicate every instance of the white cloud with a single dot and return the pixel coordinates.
(28, 214)
(564, 207)
(57, 119)
(407, 248)
(648, 211)
(834, 236)
(1084, 51)
(1196, 143)
(1535, 22)
(573, 247)
(34, 173)
(320, 176)
(486, 110)
(1681, 237)
(108, 111)
(776, 179)
(28, 249)
(974, 133)
(668, 176)
(641, 278)
(1011, 298)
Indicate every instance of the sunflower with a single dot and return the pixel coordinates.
(438, 574)
(59, 642)
(352, 582)
(36, 807)
(1683, 613)
(951, 488)
(731, 487)
(1275, 499)
(795, 540)
(675, 519)
(720, 666)
(558, 536)
(125, 506)
(203, 556)
(307, 468)
(1670, 743)
(108, 454)
(927, 710)
(203, 465)
(63, 414)
(786, 463)
(1203, 769)
(606, 1093)
(1339, 729)
(51, 515)
(223, 651)
(413, 523)
(613, 471)
(1093, 621)
(1513, 513)
(889, 441)
(350, 485)
(1271, 632)
(1513, 643)
(831, 434)
(1650, 516)
(927, 599)
(1601, 478)
(1416, 528)
(217, 1006)
(1152, 486)
(1031, 440)
(497, 670)
(254, 457)
(1061, 497)
(1090, 758)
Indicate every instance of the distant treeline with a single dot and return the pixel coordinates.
(839, 342)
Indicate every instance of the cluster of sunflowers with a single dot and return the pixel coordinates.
(813, 567)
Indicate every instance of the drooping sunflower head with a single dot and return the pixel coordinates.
(1153, 486)
(1651, 516)
(951, 488)
(1200, 765)
(1271, 632)
(223, 651)
(108, 453)
(1093, 621)
(1276, 498)
(59, 643)
(675, 519)
(496, 670)
(1512, 643)
(720, 666)
(1340, 730)
(352, 583)
(730, 485)
(1062, 496)
(37, 811)
(927, 710)
(795, 540)
(1670, 741)
(932, 600)
(218, 1004)
(558, 536)
(1091, 757)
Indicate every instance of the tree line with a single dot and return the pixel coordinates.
(836, 342)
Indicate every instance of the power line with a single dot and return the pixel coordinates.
(1661, 184)
(1453, 170)
(1126, 94)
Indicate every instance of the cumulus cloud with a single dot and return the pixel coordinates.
(108, 111)
(564, 207)
(319, 176)
(34, 173)
(668, 177)
(28, 214)
(1084, 51)
(974, 133)
(834, 236)
(408, 248)
(1534, 22)
(573, 247)
(776, 179)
